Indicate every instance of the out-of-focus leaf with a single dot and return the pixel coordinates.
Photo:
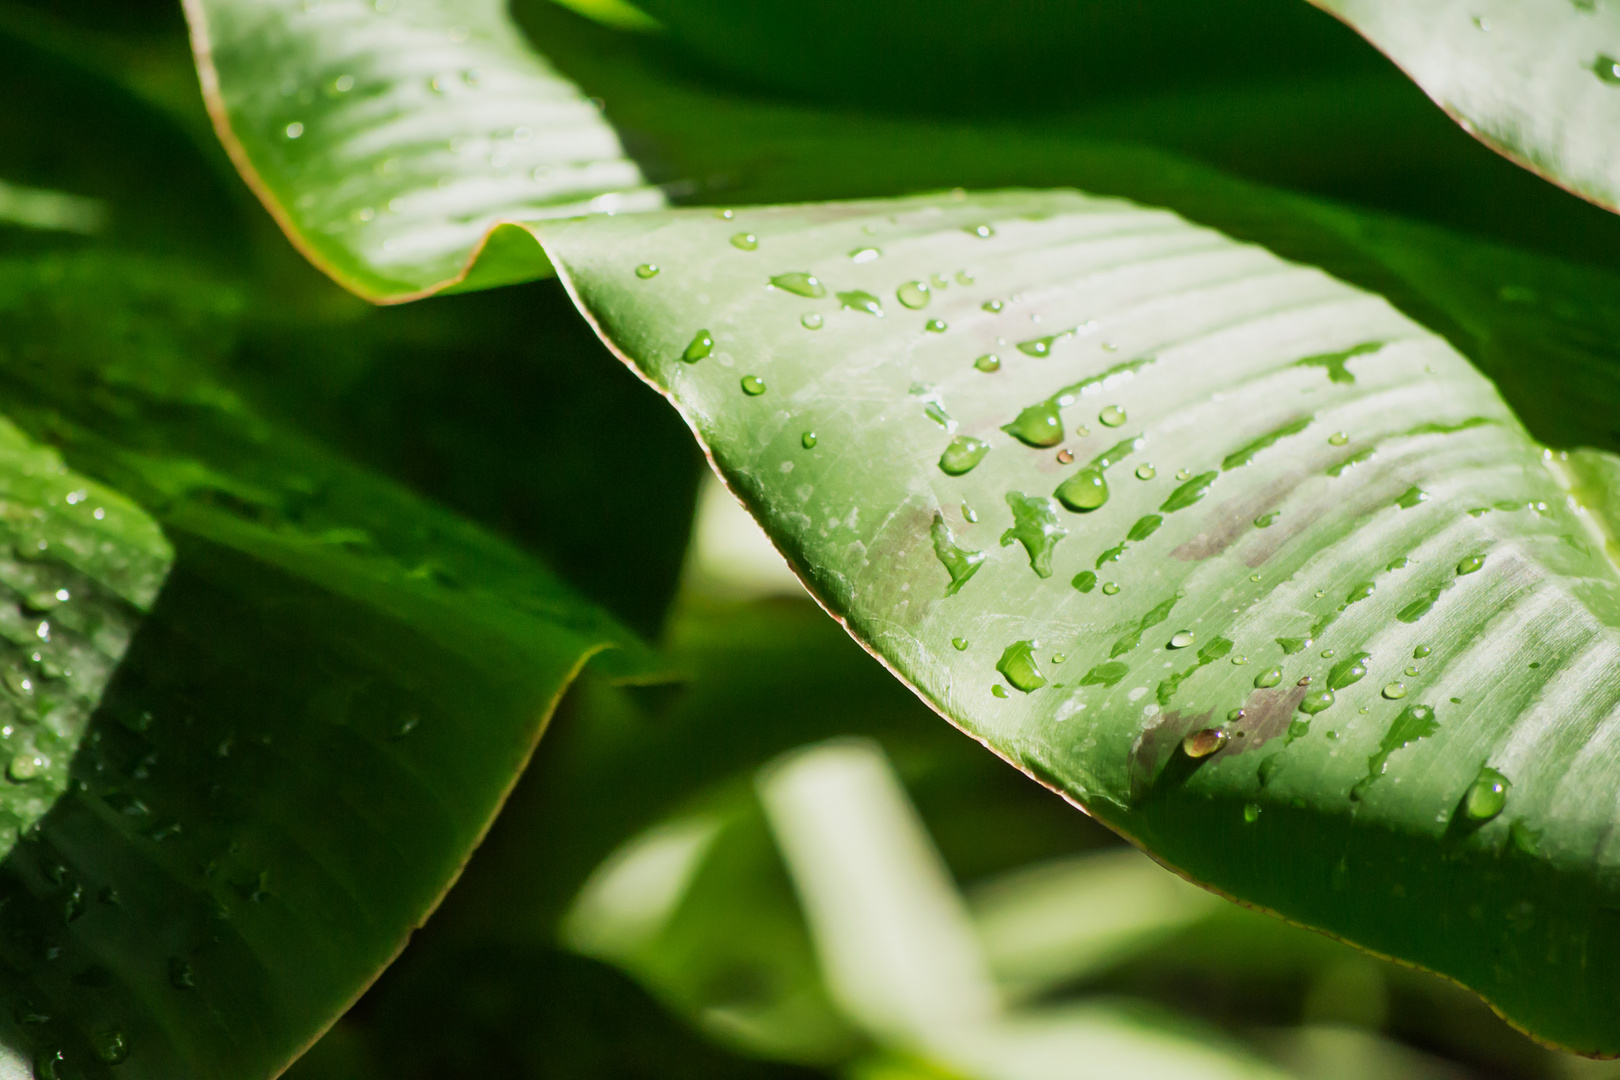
(308, 735)
(1327, 493)
(1536, 80)
(391, 141)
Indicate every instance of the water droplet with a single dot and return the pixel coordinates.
(1181, 639)
(1359, 592)
(960, 563)
(810, 321)
(1083, 431)
(1327, 654)
(1487, 795)
(1017, 666)
(1110, 588)
(111, 1046)
(992, 306)
(702, 345)
(1145, 472)
(983, 232)
(1201, 744)
(25, 767)
(1394, 691)
(988, 362)
(808, 440)
(745, 241)
(964, 278)
(962, 455)
(1267, 679)
(1039, 347)
(865, 254)
(1085, 581)
(646, 270)
(724, 215)
(1400, 562)
(1338, 438)
(999, 690)
(1058, 658)
(1085, 491)
(295, 130)
(753, 385)
(1251, 813)
(1265, 521)
(960, 644)
(1420, 652)
(1040, 426)
(1316, 701)
(1112, 416)
(969, 514)
(1470, 564)
(1349, 671)
(935, 326)
(1607, 68)
(860, 300)
(800, 283)
(1411, 497)
(1412, 672)
(913, 294)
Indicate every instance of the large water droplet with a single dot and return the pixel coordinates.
(960, 563)
(800, 283)
(1035, 526)
(1086, 490)
(1017, 665)
(1394, 691)
(860, 300)
(702, 345)
(1267, 679)
(1145, 472)
(745, 241)
(1348, 671)
(646, 270)
(1316, 701)
(913, 294)
(1181, 639)
(1111, 416)
(753, 385)
(1487, 795)
(1201, 744)
(962, 455)
(1039, 426)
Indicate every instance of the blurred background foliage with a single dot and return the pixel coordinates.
(636, 911)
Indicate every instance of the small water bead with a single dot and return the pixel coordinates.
(1398, 563)
(964, 278)
(1470, 564)
(646, 270)
(860, 300)
(992, 306)
(810, 321)
(988, 362)
(1487, 795)
(1316, 701)
(1239, 660)
(939, 281)
(865, 254)
(960, 644)
(1083, 492)
(800, 283)
(1267, 679)
(808, 440)
(1338, 438)
(745, 241)
(999, 690)
(295, 130)
(1394, 691)
(1266, 521)
(725, 215)
(913, 294)
(1110, 588)
(983, 232)
(1058, 658)
(1181, 639)
(1183, 474)
(935, 326)
(963, 453)
(1327, 654)
(1412, 672)
(969, 515)
(1145, 472)
(1065, 457)
(702, 345)
(753, 385)
(1111, 416)
(1201, 744)
(1420, 652)
(1607, 68)
(1251, 813)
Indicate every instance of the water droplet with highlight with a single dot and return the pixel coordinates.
(646, 270)
(1470, 564)
(988, 362)
(913, 294)
(800, 283)
(1348, 672)
(960, 563)
(1145, 472)
(1017, 665)
(753, 385)
(1267, 679)
(1412, 671)
(1251, 813)
(1083, 492)
(935, 326)
(1201, 744)
(992, 306)
(970, 515)
(999, 690)
(983, 232)
(860, 300)
(964, 278)
(1394, 691)
(745, 241)
(1085, 581)
(1110, 588)
(1338, 438)
(865, 254)
(1065, 456)
(702, 345)
(960, 644)
(1316, 701)
(810, 321)
(1265, 521)
(111, 1046)
(1420, 652)
(963, 453)
(1181, 639)
(1040, 426)
(1411, 497)
(295, 130)
(1487, 795)
(1038, 347)
(808, 440)
(1112, 416)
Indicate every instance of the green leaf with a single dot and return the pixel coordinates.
(392, 141)
(1176, 336)
(1537, 81)
(311, 731)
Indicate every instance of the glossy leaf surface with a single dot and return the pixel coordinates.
(1295, 475)
(390, 139)
(1537, 80)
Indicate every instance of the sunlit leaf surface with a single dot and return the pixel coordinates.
(1241, 559)
(389, 138)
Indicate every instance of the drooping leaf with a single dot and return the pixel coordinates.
(391, 140)
(308, 735)
(1537, 81)
(1411, 519)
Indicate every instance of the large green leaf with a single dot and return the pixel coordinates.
(390, 140)
(310, 732)
(1094, 480)
(1536, 80)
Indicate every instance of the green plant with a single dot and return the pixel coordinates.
(1273, 529)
